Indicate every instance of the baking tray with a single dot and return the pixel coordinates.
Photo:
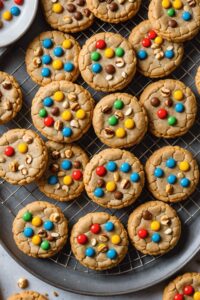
(137, 271)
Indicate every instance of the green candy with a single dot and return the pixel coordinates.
(45, 245)
(43, 113)
(95, 56)
(171, 12)
(119, 52)
(119, 104)
(172, 121)
(112, 121)
(27, 216)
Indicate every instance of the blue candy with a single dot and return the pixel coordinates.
(109, 226)
(142, 54)
(111, 166)
(28, 232)
(67, 132)
(90, 252)
(58, 51)
(66, 165)
(169, 54)
(112, 254)
(52, 179)
(48, 102)
(158, 172)
(45, 72)
(171, 163)
(185, 182)
(68, 67)
(47, 43)
(179, 107)
(171, 179)
(48, 225)
(15, 11)
(46, 59)
(96, 68)
(135, 177)
(98, 192)
(186, 16)
(125, 167)
(156, 237)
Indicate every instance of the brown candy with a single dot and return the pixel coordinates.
(71, 7)
(80, 2)
(155, 101)
(118, 195)
(54, 168)
(100, 182)
(172, 23)
(113, 6)
(77, 164)
(87, 12)
(168, 103)
(147, 215)
(55, 111)
(78, 15)
(110, 69)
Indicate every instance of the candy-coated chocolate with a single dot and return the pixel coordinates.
(185, 182)
(19, 2)
(125, 167)
(48, 225)
(36, 240)
(135, 177)
(156, 237)
(179, 297)
(158, 40)
(52, 180)
(67, 44)
(152, 34)
(120, 133)
(6, 15)
(186, 16)
(90, 252)
(101, 182)
(68, 66)
(142, 233)
(55, 111)
(196, 296)
(15, 11)
(48, 121)
(184, 166)
(111, 166)
(172, 121)
(95, 228)
(67, 180)
(155, 225)
(118, 195)
(115, 239)
(129, 123)
(28, 232)
(109, 53)
(162, 113)
(66, 115)
(36, 221)
(142, 54)
(112, 121)
(48, 102)
(171, 12)
(171, 179)
(111, 186)
(177, 4)
(112, 254)
(1, 4)
(109, 226)
(101, 171)
(22, 147)
(179, 107)
(178, 95)
(166, 3)
(81, 114)
(119, 52)
(67, 132)
(66, 164)
(118, 104)
(58, 51)
(158, 172)
(46, 72)
(57, 64)
(155, 102)
(171, 163)
(57, 8)
(98, 192)
(27, 216)
(147, 215)
(47, 43)
(82, 239)
(169, 54)
(42, 113)
(100, 44)
(188, 290)
(146, 42)
(96, 68)
(95, 56)
(77, 175)
(9, 151)
(45, 245)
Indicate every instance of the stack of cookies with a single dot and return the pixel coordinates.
(63, 111)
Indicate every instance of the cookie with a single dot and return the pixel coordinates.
(40, 229)
(157, 57)
(63, 179)
(62, 111)
(10, 98)
(175, 20)
(23, 156)
(27, 295)
(154, 228)
(197, 80)
(67, 16)
(114, 178)
(172, 174)
(107, 62)
(171, 108)
(119, 120)
(99, 241)
(114, 11)
(52, 55)
(186, 286)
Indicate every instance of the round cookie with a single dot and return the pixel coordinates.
(40, 229)
(99, 241)
(197, 80)
(27, 295)
(67, 16)
(171, 108)
(119, 120)
(114, 178)
(63, 179)
(62, 111)
(107, 62)
(184, 287)
(175, 20)
(172, 174)
(23, 156)
(114, 11)
(52, 55)
(154, 228)
(10, 97)
(157, 57)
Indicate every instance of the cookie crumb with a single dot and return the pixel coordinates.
(55, 294)
(22, 283)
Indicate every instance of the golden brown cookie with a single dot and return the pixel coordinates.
(27, 295)
(197, 80)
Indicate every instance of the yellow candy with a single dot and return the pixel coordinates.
(155, 225)
(67, 44)
(115, 239)
(36, 221)
(22, 147)
(178, 95)
(102, 248)
(177, 4)
(67, 180)
(57, 64)
(66, 115)
(196, 296)
(80, 114)
(129, 123)
(109, 53)
(57, 8)
(7, 16)
(158, 40)
(120, 133)
(58, 96)
(36, 240)
(166, 3)
(111, 186)
(184, 166)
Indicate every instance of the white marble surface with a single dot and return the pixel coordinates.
(10, 272)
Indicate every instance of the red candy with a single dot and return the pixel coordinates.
(142, 233)
(9, 151)
(1, 4)
(77, 175)
(179, 297)
(162, 113)
(95, 228)
(188, 290)
(82, 239)
(100, 44)
(101, 171)
(19, 2)
(152, 34)
(146, 42)
(48, 121)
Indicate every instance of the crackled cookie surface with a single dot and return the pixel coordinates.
(175, 20)
(10, 98)
(171, 107)
(119, 120)
(157, 57)
(52, 55)
(40, 229)
(172, 174)
(27, 295)
(114, 11)
(99, 241)
(62, 111)
(67, 16)
(197, 80)
(114, 178)
(63, 179)
(184, 287)
(23, 156)
(107, 62)
(154, 228)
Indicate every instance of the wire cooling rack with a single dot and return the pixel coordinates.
(14, 198)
